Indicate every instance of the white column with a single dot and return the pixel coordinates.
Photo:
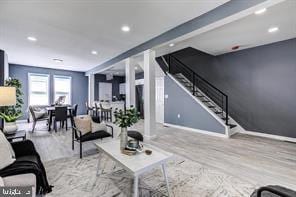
(130, 88)
(149, 94)
(91, 89)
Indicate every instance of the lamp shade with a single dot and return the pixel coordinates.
(7, 96)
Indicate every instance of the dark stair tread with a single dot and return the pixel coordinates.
(218, 112)
(206, 101)
(232, 125)
(201, 96)
(211, 106)
(179, 77)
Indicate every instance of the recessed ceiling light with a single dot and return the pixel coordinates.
(125, 28)
(273, 29)
(261, 11)
(117, 73)
(31, 38)
(58, 60)
(136, 68)
(94, 52)
(172, 44)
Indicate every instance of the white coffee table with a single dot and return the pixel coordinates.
(136, 164)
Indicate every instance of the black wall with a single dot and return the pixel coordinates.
(260, 82)
(139, 75)
(115, 84)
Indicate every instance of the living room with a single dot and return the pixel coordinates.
(196, 99)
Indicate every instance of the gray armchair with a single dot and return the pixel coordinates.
(37, 117)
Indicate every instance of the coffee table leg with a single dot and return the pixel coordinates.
(98, 165)
(136, 186)
(165, 177)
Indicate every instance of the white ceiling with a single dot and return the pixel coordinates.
(247, 32)
(70, 30)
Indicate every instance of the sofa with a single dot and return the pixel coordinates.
(22, 180)
(26, 162)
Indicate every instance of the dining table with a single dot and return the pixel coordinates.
(51, 110)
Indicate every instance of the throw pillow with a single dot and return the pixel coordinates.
(40, 113)
(83, 123)
(98, 126)
(6, 152)
(10, 147)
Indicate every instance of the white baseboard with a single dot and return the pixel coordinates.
(271, 136)
(196, 130)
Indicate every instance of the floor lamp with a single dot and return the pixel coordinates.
(7, 98)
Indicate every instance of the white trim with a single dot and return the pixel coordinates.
(196, 130)
(6, 66)
(139, 82)
(236, 129)
(48, 85)
(199, 102)
(271, 136)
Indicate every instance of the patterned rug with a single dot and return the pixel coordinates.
(77, 177)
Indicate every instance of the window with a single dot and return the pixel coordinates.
(38, 89)
(62, 87)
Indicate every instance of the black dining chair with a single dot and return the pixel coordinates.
(61, 116)
(73, 113)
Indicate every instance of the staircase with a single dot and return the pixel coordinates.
(207, 93)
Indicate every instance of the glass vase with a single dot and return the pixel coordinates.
(123, 138)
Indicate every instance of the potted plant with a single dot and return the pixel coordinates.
(125, 118)
(10, 122)
(11, 113)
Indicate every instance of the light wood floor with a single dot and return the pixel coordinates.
(257, 160)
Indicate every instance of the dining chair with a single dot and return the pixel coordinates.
(97, 109)
(73, 113)
(36, 117)
(61, 116)
(89, 109)
(106, 113)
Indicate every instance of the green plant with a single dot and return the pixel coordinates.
(126, 118)
(10, 118)
(12, 113)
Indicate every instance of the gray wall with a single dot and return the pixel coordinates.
(192, 114)
(115, 84)
(79, 84)
(260, 83)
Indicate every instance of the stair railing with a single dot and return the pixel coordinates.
(216, 95)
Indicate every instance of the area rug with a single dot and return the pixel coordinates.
(77, 177)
